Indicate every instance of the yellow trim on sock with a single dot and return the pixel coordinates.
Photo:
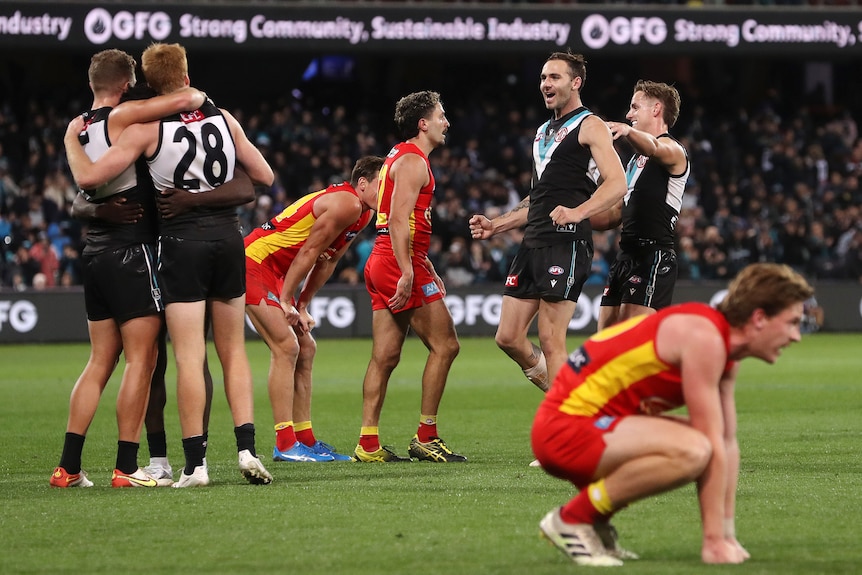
(369, 431)
(599, 497)
(283, 425)
(428, 419)
(301, 425)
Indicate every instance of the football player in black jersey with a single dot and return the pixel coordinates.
(576, 174)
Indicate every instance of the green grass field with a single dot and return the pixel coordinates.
(799, 501)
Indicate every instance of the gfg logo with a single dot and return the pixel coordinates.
(21, 315)
(597, 31)
(100, 26)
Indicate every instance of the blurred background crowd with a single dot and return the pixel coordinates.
(776, 179)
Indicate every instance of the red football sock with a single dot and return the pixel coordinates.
(591, 505)
(304, 433)
(369, 439)
(284, 436)
(427, 428)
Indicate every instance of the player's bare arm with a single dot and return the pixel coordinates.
(88, 175)
(410, 175)
(235, 192)
(152, 109)
(248, 155)
(608, 219)
(318, 276)
(699, 349)
(667, 151)
(728, 403)
(337, 212)
(481, 228)
(596, 136)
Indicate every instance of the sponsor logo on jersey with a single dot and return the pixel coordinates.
(561, 134)
(567, 228)
(191, 117)
(556, 270)
(511, 281)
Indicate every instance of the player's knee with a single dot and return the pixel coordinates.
(286, 349)
(506, 342)
(450, 349)
(386, 362)
(694, 455)
(307, 350)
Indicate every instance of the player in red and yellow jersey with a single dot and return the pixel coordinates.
(303, 242)
(601, 425)
(406, 292)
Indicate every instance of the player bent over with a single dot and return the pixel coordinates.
(601, 426)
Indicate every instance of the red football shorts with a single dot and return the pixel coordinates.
(568, 446)
(381, 279)
(261, 283)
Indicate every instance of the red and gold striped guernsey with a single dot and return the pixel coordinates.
(276, 243)
(420, 219)
(618, 372)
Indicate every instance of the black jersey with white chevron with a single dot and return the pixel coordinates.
(564, 174)
(652, 202)
(196, 152)
(133, 183)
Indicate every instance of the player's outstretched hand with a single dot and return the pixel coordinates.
(120, 211)
(174, 202)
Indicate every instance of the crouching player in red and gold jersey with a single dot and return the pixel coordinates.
(303, 242)
(601, 425)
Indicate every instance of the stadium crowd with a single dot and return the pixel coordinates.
(767, 184)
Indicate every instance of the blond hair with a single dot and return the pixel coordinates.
(165, 67)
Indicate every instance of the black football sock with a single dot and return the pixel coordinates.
(127, 457)
(245, 437)
(195, 449)
(70, 460)
(158, 444)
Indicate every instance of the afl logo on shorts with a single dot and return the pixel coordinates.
(635, 280)
(556, 270)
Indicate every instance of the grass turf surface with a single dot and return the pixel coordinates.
(799, 498)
